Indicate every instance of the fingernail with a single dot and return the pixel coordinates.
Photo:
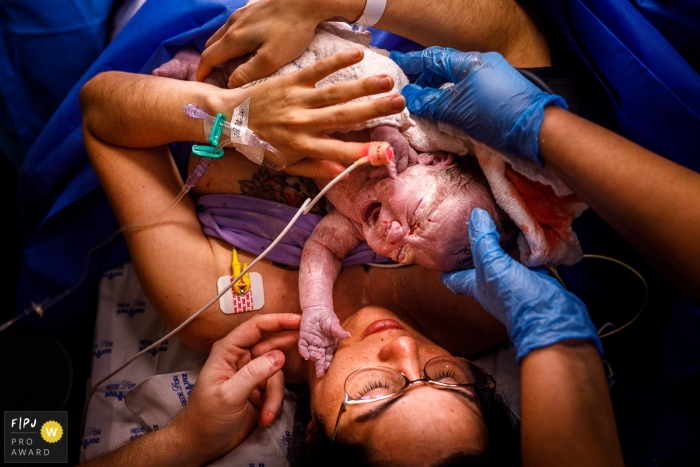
(355, 53)
(384, 82)
(397, 103)
(274, 358)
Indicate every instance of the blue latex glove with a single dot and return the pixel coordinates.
(491, 101)
(534, 307)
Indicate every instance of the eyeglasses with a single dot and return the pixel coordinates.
(377, 383)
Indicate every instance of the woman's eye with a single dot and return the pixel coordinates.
(373, 390)
(450, 377)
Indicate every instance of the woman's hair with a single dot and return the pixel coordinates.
(314, 449)
(465, 178)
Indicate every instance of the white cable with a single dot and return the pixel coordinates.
(355, 165)
(305, 208)
(300, 211)
(374, 9)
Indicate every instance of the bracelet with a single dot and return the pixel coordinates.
(374, 9)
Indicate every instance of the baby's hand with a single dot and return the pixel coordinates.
(182, 66)
(318, 336)
(404, 155)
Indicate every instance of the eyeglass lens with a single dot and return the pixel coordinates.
(377, 382)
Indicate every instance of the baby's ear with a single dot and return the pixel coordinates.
(437, 159)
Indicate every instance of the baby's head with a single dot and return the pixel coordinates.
(421, 217)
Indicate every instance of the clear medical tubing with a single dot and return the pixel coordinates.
(240, 136)
(196, 174)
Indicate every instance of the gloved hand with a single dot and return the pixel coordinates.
(535, 309)
(490, 100)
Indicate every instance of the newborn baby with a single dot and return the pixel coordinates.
(417, 217)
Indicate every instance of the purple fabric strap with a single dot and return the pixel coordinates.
(251, 224)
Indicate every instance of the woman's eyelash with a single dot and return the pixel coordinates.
(370, 386)
(447, 374)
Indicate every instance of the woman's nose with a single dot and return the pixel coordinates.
(402, 354)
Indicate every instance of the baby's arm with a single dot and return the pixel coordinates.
(331, 241)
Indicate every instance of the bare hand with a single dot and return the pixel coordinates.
(295, 116)
(274, 32)
(235, 391)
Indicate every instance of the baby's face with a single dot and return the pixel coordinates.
(406, 220)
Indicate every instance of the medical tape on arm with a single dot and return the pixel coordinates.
(239, 133)
(241, 137)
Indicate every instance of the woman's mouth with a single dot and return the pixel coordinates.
(381, 325)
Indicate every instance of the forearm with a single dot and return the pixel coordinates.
(164, 447)
(142, 111)
(645, 197)
(502, 26)
(567, 416)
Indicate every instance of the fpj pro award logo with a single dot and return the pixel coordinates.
(36, 437)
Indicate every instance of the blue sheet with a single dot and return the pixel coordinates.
(653, 91)
(45, 46)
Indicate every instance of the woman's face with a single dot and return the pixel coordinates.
(421, 426)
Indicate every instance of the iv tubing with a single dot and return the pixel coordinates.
(196, 174)
(305, 208)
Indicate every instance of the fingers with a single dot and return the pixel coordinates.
(219, 52)
(337, 116)
(348, 90)
(421, 101)
(283, 340)
(273, 399)
(337, 331)
(239, 387)
(347, 153)
(261, 64)
(461, 282)
(482, 235)
(315, 168)
(220, 32)
(330, 65)
(249, 333)
(447, 63)
(489, 258)
(320, 366)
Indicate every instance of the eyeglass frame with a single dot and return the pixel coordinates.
(490, 382)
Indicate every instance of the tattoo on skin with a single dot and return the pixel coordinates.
(283, 188)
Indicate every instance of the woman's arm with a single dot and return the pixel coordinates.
(649, 200)
(128, 119)
(237, 388)
(567, 416)
(276, 32)
(652, 202)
